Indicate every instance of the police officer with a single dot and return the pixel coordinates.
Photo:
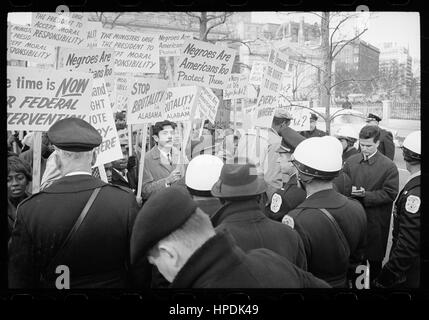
(289, 195)
(403, 268)
(313, 132)
(348, 137)
(331, 225)
(202, 173)
(386, 146)
(54, 228)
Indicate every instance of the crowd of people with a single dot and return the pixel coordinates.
(270, 208)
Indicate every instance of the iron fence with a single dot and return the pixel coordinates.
(405, 110)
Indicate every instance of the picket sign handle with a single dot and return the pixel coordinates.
(142, 156)
(258, 142)
(103, 175)
(37, 155)
(130, 140)
(234, 102)
(201, 129)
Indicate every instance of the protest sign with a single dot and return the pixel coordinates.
(257, 72)
(270, 86)
(36, 100)
(121, 92)
(171, 43)
(65, 29)
(101, 118)
(204, 64)
(98, 61)
(208, 103)
(179, 103)
(236, 88)
(146, 100)
(20, 46)
(301, 116)
(135, 52)
(248, 117)
(93, 33)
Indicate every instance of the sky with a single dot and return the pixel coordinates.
(400, 27)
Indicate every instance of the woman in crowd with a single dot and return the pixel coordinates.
(18, 178)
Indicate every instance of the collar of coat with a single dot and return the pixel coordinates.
(238, 211)
(373, 159)
(324, 199)
(213, 259)
(75, 183)
(156, 154)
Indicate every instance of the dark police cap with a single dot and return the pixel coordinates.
(164, 212)
(290, 140)
(372, 116)
(313, 117)
(74, 134)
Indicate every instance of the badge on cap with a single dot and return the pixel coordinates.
(413, 204)
(288, 220)
(276, 202)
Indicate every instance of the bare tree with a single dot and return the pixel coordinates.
(208, 21)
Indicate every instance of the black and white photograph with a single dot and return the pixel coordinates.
(213, 150)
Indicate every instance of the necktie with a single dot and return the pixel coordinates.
(169, 159)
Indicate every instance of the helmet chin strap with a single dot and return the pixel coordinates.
(302, 183)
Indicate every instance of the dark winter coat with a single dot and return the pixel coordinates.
(285, 199)
(219, 263)
(251, 229)
(380, 178)
(404, 259)
(327, 255)
(97, 256)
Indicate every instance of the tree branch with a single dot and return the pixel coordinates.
(348, 41)
(116, 18)
(349, 80)
(193, 16)
(304, 107)
(226, 15)
(335, 30)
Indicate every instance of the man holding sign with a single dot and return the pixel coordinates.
(162, 166)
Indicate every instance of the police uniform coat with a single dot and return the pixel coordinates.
(98, 255)
(326, 254)
(315, 133)
(285, 199)
(386, 146)
(157, 169)
(404, 258)
(219, 263)
(380, 178)
(251, 229)
(349, 153)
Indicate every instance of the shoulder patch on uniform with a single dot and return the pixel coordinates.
(413, 204)
(276, 202)
(288, 221)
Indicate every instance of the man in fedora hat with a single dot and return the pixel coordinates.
(289, 196)
(78, 221)
(179, 239)
(332, 226)
(239, 189)
(386, 146)
(313, 132)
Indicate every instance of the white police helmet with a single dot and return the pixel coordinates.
(202, 172)
(347, 132)
(319, 157)
(412, 146)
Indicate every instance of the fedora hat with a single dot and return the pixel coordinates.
(238, 180)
